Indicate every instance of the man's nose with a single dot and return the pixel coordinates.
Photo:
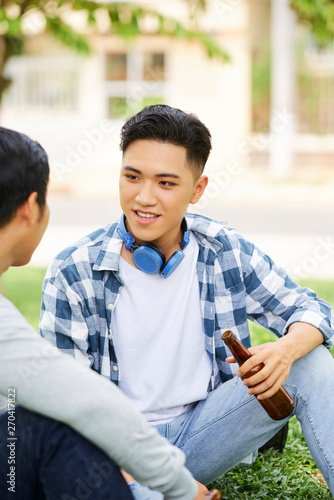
(146, 195)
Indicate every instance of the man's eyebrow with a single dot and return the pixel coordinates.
(131, 169)
(135, 170)
(174, 176)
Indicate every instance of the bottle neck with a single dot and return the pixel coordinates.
(238, 350)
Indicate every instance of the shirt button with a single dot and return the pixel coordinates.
(115, 368)
(110, 337)
(111, 307)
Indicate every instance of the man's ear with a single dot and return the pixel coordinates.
(199, 188)
(28, 211)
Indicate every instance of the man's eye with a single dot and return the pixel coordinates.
(167, 183)
(131, 177)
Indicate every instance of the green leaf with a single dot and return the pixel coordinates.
(318, 15)
(67, 36)
(91, 19)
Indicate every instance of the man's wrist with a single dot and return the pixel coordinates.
(302, 338)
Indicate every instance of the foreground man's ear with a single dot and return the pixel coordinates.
(29, 210)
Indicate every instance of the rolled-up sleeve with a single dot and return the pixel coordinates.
(275, 301)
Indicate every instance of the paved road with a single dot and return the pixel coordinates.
(258, 220)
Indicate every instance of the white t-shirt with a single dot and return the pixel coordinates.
(159, 339)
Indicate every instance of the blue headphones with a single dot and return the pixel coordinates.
(149, 257)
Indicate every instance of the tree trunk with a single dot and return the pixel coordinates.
(4, 82)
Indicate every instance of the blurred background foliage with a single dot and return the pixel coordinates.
(318, 16)
(314, 75)
(126, 20)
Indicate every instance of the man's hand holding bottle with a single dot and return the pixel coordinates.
(205, 494)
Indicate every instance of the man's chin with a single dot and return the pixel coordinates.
(23, 261)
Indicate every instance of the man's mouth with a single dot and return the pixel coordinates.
(146, 215)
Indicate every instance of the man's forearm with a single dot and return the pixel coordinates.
(302, 338)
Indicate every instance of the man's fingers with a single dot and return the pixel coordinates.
(230, 359)
(214, 495)
(267, 389)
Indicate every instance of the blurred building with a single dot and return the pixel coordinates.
(313, 80)
(75, 106)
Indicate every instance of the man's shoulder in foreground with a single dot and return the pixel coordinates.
(11, 319)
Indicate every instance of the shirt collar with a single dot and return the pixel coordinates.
(109, 254)
(208, 231)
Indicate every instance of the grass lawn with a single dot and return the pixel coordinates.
(23, 286)
(274, 476)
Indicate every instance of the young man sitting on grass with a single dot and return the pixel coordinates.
(40, 457)
(145, 300)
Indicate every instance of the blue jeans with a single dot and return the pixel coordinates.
(55, 463)
(229, 425)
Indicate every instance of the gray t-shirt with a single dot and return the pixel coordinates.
(54, 384)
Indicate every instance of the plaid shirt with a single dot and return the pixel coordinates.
(237, 282)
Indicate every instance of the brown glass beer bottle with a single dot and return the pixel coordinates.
(278, 406)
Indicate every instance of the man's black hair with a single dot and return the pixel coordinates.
(165, 124)
(24, 168)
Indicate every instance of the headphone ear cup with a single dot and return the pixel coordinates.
(149, 258)
(172, 263)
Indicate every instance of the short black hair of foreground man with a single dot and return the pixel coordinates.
(41, 455)
(145, 300)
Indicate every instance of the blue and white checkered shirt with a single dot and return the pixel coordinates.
(237, 282)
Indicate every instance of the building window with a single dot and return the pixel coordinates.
(314, 105)
(133, 80)
(154, 67)
(46, 84)
(315, 97)
(116, 67)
